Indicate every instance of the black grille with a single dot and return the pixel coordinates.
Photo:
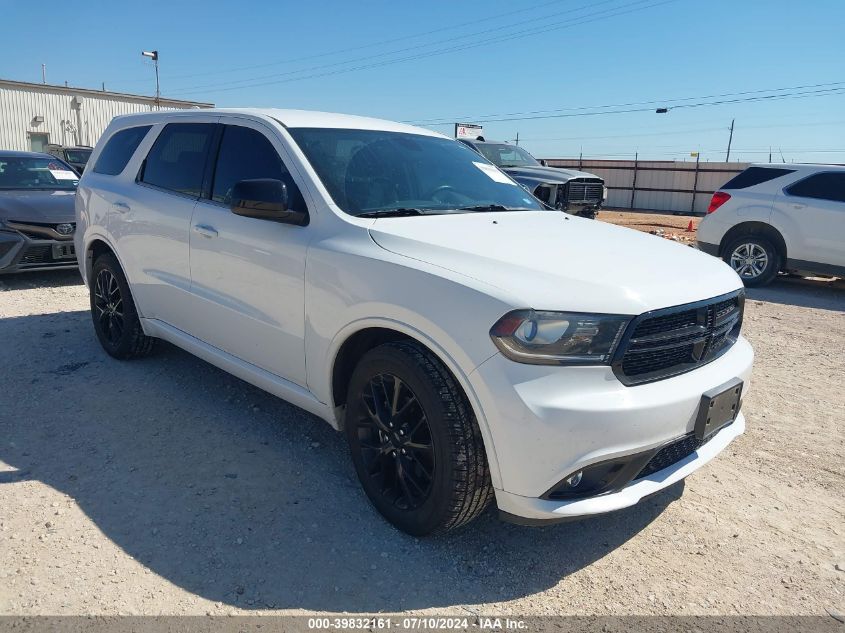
(583, 190)
(42, 255)
(673, 453)
(37, 255)
(669, 342)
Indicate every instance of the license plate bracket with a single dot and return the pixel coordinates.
(719, 407)
(63, 251)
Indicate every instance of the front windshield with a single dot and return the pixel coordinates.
(78, 155)
(507, 155)
(24, 172)
(367, 171)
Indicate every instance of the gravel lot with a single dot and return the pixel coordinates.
(165, 486)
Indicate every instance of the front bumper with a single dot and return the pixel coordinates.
(549, 422)
(21, 253)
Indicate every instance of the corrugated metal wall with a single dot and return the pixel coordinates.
(657, 185)
(66, 120)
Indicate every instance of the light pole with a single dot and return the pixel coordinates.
(153, 55)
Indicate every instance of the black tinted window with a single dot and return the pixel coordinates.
(829, 186)
(755, 176)
(375, 170)
(177, 159)
(119, 150)
(246, 154)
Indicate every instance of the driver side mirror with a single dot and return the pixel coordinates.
(265, 199)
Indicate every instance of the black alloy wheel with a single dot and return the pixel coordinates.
(108, 305)
(415, 442)
(395, 441)
(113, 312)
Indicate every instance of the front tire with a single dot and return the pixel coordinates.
(754, 258)
(113, 312)
(415, 442)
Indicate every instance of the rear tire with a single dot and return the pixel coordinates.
(415, 442)
(113, 312)
(754, 258)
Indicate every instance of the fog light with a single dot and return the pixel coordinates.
(573, 481)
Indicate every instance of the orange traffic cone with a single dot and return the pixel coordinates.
(690, 227)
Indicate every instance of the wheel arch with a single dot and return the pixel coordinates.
(96, 246)
(755, 228)
(352, 344)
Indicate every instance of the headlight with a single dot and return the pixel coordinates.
(558, 338)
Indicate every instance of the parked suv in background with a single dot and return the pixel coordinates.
(76, 157)
(573, 191)
(779, 217)
(398, 285)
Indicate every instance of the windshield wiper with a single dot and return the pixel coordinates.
(392, 213)
(493, 207)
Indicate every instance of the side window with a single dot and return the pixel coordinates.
(247, 154)
(827, 186)
(176, 161)
(119, 150)
(755, 176)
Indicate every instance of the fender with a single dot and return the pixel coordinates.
(438, 350)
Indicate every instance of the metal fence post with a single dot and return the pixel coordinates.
(695, 183)
(634, 183)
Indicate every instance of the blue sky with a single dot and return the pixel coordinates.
(462, 60)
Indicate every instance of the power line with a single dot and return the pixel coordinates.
(601, 15)
(450, 27)
(582, 110)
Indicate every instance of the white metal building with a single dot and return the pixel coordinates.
(33, 115)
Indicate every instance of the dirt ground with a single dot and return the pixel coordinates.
(165, 486)
(669, 226)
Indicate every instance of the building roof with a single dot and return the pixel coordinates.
(71, 90)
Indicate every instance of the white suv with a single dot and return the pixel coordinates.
(780, 217)
(470, 343)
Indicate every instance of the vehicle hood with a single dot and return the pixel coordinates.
(43, 207)
(546, 174)
(549, 260)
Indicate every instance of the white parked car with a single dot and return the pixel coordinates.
(780, 217)
(471, 344)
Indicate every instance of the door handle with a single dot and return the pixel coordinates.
(120, 207)
(205, 230)
(798, 206)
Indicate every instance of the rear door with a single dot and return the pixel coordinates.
(247, 274)
(814, 208)
(152, 224)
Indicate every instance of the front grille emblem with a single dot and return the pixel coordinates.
(64, 229)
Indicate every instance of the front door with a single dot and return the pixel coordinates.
(816, 206)
(248, 275)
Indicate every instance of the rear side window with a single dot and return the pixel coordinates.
(176, 161)
(827, 186)
(755, 176)
(246, 154)
(119, 150)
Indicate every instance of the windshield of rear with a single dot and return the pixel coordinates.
(78, 155)
(25, 172)
(367, 171)
(505, 155)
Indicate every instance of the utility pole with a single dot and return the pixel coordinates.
(153, 55)
(517, 138)
(730, 138)
(43, 73)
